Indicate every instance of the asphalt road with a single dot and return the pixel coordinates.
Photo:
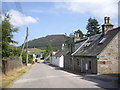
(45, 76)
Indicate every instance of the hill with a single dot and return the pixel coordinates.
(41, 43)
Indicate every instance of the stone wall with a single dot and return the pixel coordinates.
(91, 63)
(67, 62)
(77, 64)
(108, 59)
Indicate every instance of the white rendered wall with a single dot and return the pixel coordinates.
(57, 61)
(61, 61)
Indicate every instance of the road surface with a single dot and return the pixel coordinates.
(45, 76)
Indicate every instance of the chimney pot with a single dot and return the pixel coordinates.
(108, 20)
(106, 26)
(105, 20)
(62, 46)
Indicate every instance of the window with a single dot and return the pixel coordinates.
(89, 64)
(87, 44)
(78, 62)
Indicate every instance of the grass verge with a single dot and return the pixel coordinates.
(11, 76)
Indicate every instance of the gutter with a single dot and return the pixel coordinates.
(80, 47)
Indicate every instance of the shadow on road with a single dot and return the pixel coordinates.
(103, 81)
(55, 67)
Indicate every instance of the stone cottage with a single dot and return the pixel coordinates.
(96, 54)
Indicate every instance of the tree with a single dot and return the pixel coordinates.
(7, 35)
(49, 48)
(93, 27)
(30, 57)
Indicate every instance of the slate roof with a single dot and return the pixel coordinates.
(93, 47)
(59, 53)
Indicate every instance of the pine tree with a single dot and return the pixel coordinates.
(93, 27)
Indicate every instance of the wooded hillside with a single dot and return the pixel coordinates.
(41, 43)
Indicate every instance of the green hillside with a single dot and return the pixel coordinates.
(41, 43)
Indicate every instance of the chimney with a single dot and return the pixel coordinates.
(62, 46)
(105, 20)
(108, 20)
(76, 36)
(106, 26)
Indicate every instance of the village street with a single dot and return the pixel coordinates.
(44, 76)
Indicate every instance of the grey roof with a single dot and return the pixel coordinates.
(34, 53)
(93, 47)
(59, 53)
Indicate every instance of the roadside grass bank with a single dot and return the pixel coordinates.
(11, 76)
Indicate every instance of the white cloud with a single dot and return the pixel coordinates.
(99, 8)
(19, 19)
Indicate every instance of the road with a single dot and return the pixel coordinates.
(44, 76)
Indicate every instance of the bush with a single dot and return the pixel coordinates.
(30, 57)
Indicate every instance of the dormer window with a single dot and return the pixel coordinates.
(87, 44)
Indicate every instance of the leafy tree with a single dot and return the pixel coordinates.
(49, 48)
(14, 51)
(30, 57)
(93, 27)
(0, 41)
(7, 35)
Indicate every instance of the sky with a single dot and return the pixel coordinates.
(48, 17)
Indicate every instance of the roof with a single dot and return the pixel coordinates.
(34, 53)
(96, 43)
(59, 53)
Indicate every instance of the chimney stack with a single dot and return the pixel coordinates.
(77, 36)
(108, 20)
(105, 20)
(62, 46)
(106, 26)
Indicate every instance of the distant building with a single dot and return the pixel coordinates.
(36, 56)
(57, 58)
(96, 54)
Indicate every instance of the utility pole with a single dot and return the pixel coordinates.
(27, 47)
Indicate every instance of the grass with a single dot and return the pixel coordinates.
(11, 76)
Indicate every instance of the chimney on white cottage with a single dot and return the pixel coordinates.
(63, 45)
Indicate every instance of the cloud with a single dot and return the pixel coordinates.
(99, 8)
(19, 19)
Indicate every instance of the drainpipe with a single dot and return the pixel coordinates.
(73, 62)
(81, 65)
(79, 49)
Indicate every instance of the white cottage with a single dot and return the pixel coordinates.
(58, 59)
(36, 56)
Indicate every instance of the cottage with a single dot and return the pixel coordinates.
(97, 54)
(36, 56)
(57, 59)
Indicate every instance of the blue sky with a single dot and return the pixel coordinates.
(47, 18)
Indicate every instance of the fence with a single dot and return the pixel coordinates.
(9, 65)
